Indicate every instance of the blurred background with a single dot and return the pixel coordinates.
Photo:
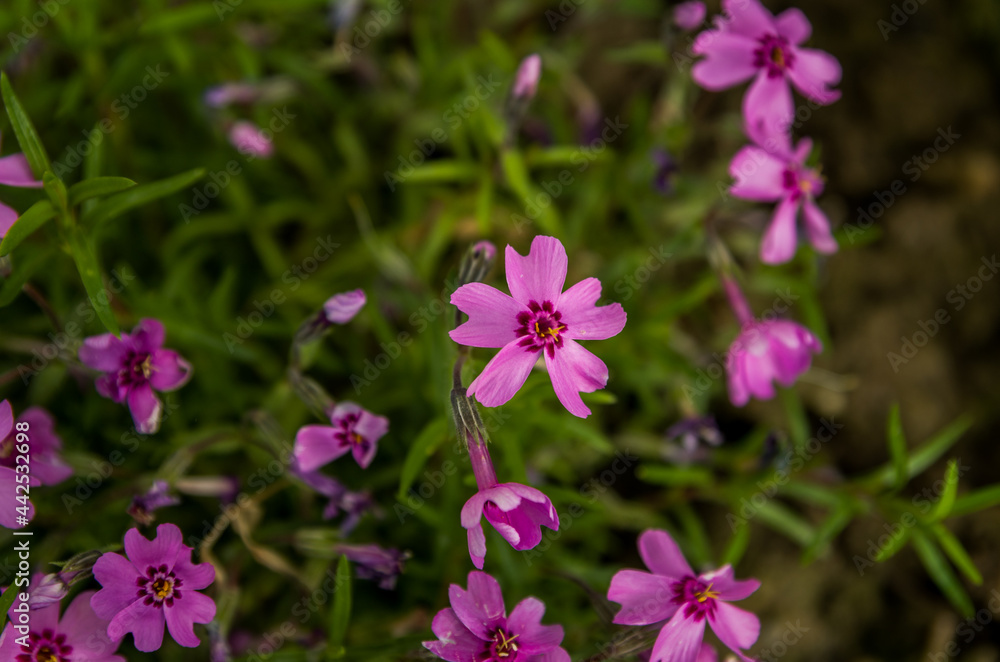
(396, 143)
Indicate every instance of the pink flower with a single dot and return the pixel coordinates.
(341, 308)
(683, 601)
(539, 318)
(134, 367)
(781, 176)
(750, 42)
(516, 511)
(476, 627)
(79, 636)
(526, 79)
(43, 448)
(689, 15)
(250, 140)
(373, 562)
(354, 429)
(9, 481)
(143, 506)
(14, 171)
(156, 584)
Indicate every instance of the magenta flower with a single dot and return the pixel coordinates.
(43, 448)
(79, 636)
(689, 15)
(684, 602)
(516, 511)
(750, 42)
(134, 367)
(14, 171)
(375, 563)
(10, 516)
(156, 584)
(781, 176)
(341, 308)
(537, 319)
(354, 429)
(476, 627)
(526, 79)
(250, 140)
(144, 505)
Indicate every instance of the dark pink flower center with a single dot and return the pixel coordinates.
(136, 370)
(503, 647)
(159, 587)
(695, 597)
(774, 54)
(344, 431)
(541, 328)
(46, 646)
(799, 182)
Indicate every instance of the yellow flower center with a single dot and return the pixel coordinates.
(704, 595)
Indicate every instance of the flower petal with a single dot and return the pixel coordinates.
(341, 308)
(492, 316)
(781, 239)
(147, 335)
(759, 175)
(144, 622)
(15, 171)
(583, 319)
(169, 370)
(477, 543)
(679, 640)
(818, 228)
(768, 112)
(662, 555)
(371, 426)
(117, 577)
(85, 630)
(146, 409)
(503, 376)
(6, 419)
(481, 608)
(748, 18)
(541, 274)
(813, 73)
(736, 628)
(729, 59)
(192, 607)
(196, 576)
(8, 217)
(456, 643)
(315, 446)
(645, 598)
(533, 637)
(161, 550)
(575, 370)
(104, 352)
(793, 25)
(727, 587)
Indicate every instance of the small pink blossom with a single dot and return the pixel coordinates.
(134, 367)
(781, 176)
(750, 42)
(14, 171)
(529, 72)
(476, 627)
(537, 319)
(354, 430)
(684, 602)
(156, 585)
(341, 308)
(250, 140)
(689, 15)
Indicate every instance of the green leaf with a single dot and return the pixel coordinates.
(827, 531)
(12, 284)
(6, 601)
(787, 522)
(139, 195)
(976, 501)
(924, 456)
(447, 171)
(90, 273)
(97, 187)
(340, 612)
(27, 137)
(542, 204)
(35, 217)
(737, 545)
(896, 543)
(941, 573)
(675, 476)
(897, 446)
(944, 505)
(953, 548)
(56, 191)
(426, 443)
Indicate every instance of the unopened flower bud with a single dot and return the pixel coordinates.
(477, 262)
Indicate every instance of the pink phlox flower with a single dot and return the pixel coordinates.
(765, 352)
(134, 367)
(537, 319)
(156, 585)
(516, 511)
(354, 429)
(476, 627)
(684, 602)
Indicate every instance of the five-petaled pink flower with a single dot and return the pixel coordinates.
(79, 636)
(672, 594)
(750, 42)
(354, 429)
(476, 627)
(14, 171)
(781, 176)
(156, 584)
(134, 367)
(47, 466)
(10, 516)
(538, 318)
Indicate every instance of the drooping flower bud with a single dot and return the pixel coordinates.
(477, 262)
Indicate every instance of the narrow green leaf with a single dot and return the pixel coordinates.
(896, 543)
(924, 456)
(90, 274)
(737, 545)
(897, 446)
(35, 217)
(447, 171)
(538, 207)
(953, 548)
(675, 476)
(944, 505)
(827, 531)
(426, 443)
(976, 501)
(12, 284)
(340, 612)
(939, 570)
(97, 187)
(6, 601)
(795, 413)
(27, 137)
(785, 521)
(118, 204)
(56, 191)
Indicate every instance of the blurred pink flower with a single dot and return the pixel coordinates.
(134, 367)
(689, 15)
(537, 319)
(781, 176)
(14, 171)
(750, 42)
(476, 627)
(354, 429)
(250, 140)
(526, 79)
(672, 594)
(341, 308)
